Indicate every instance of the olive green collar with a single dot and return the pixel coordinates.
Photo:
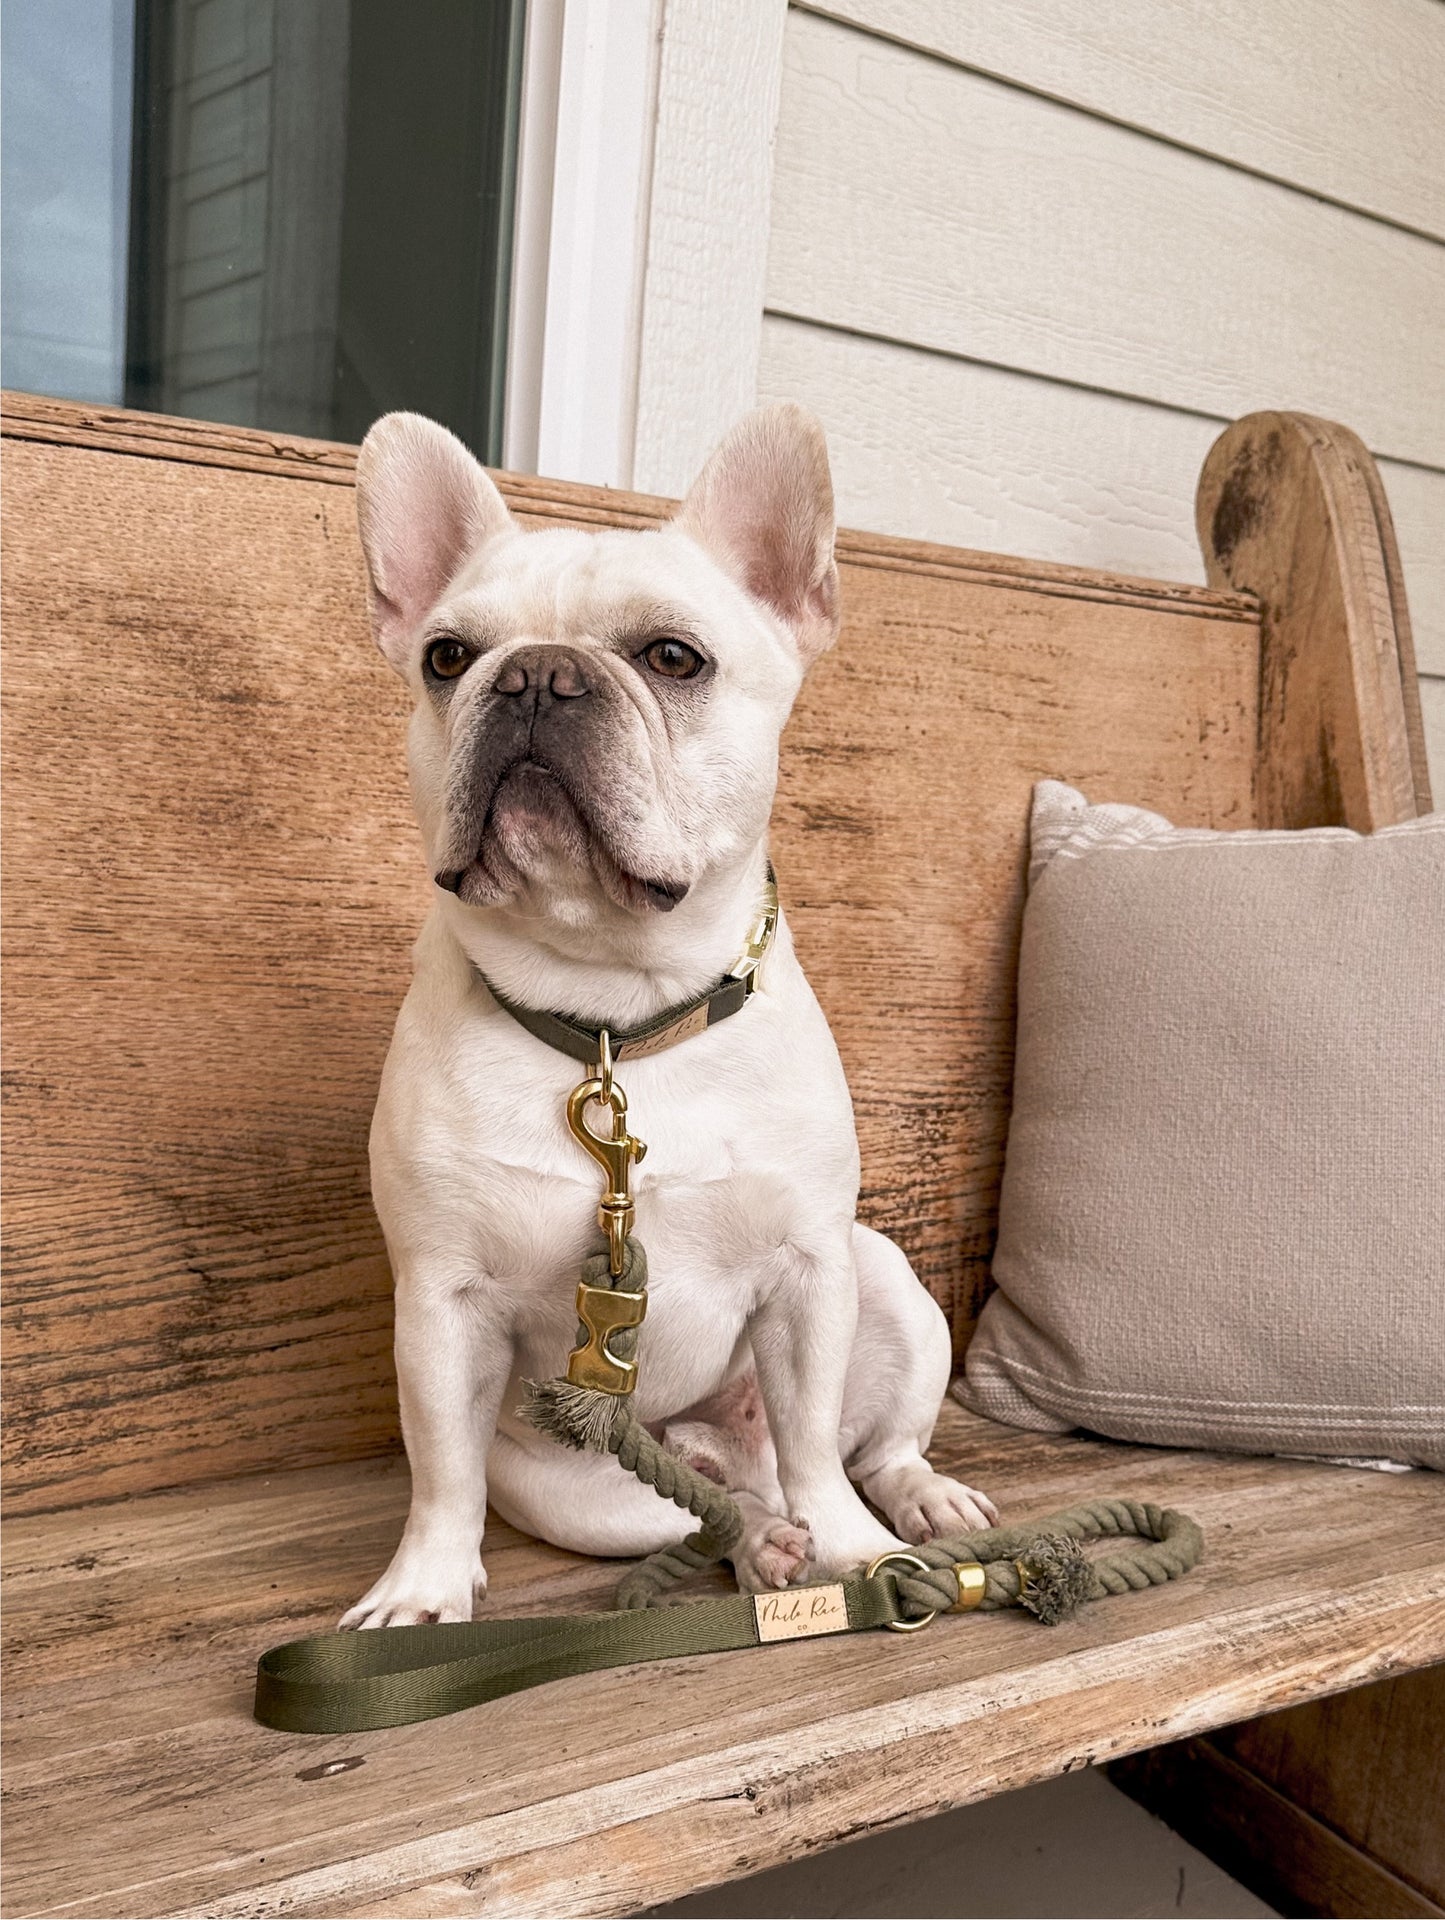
(719, 1002)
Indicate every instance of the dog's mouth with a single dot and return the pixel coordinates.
(535, 815)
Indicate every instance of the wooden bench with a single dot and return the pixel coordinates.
(212, 885)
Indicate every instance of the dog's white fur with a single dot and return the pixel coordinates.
(787, 1349)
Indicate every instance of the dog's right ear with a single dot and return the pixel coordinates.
(425, 506)
(763, 507)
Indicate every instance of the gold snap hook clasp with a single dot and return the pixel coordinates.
(615, 1152)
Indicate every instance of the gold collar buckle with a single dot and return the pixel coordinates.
(760, 940)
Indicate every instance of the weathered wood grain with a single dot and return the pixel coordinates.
(69, 423)
(214, 880)
(132, 1629)
(1334, 1807)
(1417, 508)
(1267, 1840)
(1369, 1764)
(1291, 508)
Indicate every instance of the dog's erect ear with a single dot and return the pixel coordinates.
(763, 508)
(425, 506)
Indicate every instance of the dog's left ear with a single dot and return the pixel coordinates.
(763, 508)
(425, 506)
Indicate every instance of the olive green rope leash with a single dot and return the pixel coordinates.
(349, 1682)
(591, 1420)
(391, 1676)
(344, 1683)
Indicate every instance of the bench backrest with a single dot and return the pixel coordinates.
(213, 882)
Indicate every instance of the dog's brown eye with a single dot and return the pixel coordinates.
(672, 658)
(448, 659)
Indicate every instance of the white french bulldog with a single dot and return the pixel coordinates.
(593, 757)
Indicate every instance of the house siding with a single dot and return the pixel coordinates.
(1027, 262)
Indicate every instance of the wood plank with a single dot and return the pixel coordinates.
(204, 965)
(137, 1784)
(1328, 95)
(70, 423)
(925, 204)
(942, 449)
(1417, 505)
(1276, 1848)
(1291, 507)
(1391, 627)
(1369, 1764)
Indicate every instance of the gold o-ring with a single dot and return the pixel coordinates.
(910, 1560)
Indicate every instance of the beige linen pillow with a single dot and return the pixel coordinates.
(1223, 1210)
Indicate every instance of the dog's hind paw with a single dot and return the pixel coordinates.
(922, 1505)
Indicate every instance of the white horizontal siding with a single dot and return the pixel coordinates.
(1339, 97)
(938, 449)
(711, 190)
(1027, 261)
(941, 449)
(921, 202)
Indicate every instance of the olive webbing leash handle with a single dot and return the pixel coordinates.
(390, 1676)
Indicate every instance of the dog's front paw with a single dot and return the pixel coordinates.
(845, 1542)
(924, 1505)
(422, 1586)
(773, 1553)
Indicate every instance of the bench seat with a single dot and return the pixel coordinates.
(138, 1784)
(211, 886)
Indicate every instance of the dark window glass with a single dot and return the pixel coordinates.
(312, 207)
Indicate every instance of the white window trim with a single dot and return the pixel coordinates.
(644, 184)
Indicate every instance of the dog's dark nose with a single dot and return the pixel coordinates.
(543, 674)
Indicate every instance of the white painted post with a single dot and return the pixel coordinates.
(644, 184)
(712, 180)
(588, 89)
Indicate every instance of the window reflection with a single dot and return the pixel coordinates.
(279, 213)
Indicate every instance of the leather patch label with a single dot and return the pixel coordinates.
(683, 1029)
(800, 1613)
